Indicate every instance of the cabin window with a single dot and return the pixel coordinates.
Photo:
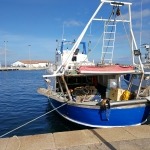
(74, 58)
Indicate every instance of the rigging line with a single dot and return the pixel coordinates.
(33, 120)
(98, 41)
(94, 47)
(125, 30)
(112, 13)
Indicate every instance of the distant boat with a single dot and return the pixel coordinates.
(146, 61)
(90, 94)
(146, 66)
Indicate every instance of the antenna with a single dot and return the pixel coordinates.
(63, 30)
(141, 24)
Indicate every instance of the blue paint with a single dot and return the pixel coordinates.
(96, 117)
(81, 43)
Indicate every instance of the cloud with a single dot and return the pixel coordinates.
(137, 3)
(137, 25)
(137, 14)
(141, 2)
(74, 23)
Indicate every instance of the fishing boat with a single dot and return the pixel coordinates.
(90, 93)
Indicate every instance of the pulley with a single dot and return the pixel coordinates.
(118, 11)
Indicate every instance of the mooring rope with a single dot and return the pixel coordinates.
(18, 141)
(32, 120)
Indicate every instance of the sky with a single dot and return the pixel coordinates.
(39, 23)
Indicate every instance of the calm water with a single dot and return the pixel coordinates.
(20, 103)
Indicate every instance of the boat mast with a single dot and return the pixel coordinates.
(133, 42)
(75, 46)
(134, 45)
(64, 66)
(61, 69)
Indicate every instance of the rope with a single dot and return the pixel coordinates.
(32, 120)
(126, 32)
(18, 141)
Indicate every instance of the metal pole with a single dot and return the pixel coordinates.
(29, 57)
(63, 31)
(141, 24)
(5, 54)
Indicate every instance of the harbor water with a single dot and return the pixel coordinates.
(20, 103)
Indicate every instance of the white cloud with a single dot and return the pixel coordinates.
(137, 14)
(135, 2)
(72, 23)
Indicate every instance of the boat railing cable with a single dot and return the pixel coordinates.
(33, 120)
(128, 39)
(125, 31)
(101, 34)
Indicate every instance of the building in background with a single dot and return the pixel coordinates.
(31, 63)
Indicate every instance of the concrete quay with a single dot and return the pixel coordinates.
(8, 69)
(20, 68)
(126, 138)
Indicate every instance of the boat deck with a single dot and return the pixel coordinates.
(108, 69)
(137, 137)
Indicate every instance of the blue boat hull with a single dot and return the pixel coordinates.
(93, 116)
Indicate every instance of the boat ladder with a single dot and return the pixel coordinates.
(108, 42)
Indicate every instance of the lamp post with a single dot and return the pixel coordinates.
(29, 56)
(63, 30)
(5, 53)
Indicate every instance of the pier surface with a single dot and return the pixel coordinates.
(21, 68)
(7, 69)
(131, 138)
